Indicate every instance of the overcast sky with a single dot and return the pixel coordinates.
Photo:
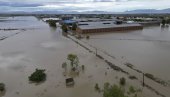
(81, 5)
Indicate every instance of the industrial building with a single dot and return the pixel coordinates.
(106, 26)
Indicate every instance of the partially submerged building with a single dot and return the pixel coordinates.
(68, 23)
(106, 26)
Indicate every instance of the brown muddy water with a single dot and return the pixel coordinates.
(147, 49)
(40, 46)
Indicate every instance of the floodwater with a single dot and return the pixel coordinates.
(39, 46)
(147, 49)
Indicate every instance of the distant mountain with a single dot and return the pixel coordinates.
(140, 11)
(58, 12)
(70, 12)
(148, 11)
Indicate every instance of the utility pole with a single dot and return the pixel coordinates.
(77, 43)
(143, 79)
(96, 51)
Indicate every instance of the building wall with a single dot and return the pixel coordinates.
(150, 23)
(109, 29)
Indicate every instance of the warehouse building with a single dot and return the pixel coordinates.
(106, 26)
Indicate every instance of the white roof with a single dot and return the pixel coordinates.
(45, 19)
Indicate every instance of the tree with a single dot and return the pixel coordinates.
(83, 67)
(109, 17)
(97, 87)
(74, 27)
(113, 91)
(2, 87)
(64, 65)
(64, 28)
(37, 76)
(168, 21)
(52, 23)
(163, 22)
(73, 60)
(106, 85)
(122, 81)
(131, 89)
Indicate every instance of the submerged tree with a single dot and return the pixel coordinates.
(132, 89)
(106, 85)
(168, 21)
(113, 91)
(122, 81)
(73, 60)
(52, 23)
(2, 87)
(82, 67)
(97, 87)
(74, 27)
(64, 28)
(37, 76)
(64, 65)
(163, 22)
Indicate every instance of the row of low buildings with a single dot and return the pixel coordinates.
(106, 26)
(94, 25)
(91, 25)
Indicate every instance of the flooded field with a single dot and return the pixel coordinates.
(40, 46)
(20, 22)
(147, 49)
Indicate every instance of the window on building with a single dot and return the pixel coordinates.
(106, 23)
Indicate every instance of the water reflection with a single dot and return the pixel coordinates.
(53, 29)
(2, 93)
(147, 49)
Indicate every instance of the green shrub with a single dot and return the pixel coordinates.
(113, 91)
(52, 23)
(163, 22)
(73, 59)
(64, 65)
(122, 81)
(64, 28)
(2, 87)
(96, 87)
(38, 76)
(132, 77)
(129, 65)
(149, 76)
(74, 27)
(131, 89)
(168, 21)
(83, 67)
(106, 85)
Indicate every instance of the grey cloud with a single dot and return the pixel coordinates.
(16, 4)
(102, 0)
(81, 5)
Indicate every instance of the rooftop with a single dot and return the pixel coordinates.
(92, 19)
(69, 21)
(104, 24)
(46, 19)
